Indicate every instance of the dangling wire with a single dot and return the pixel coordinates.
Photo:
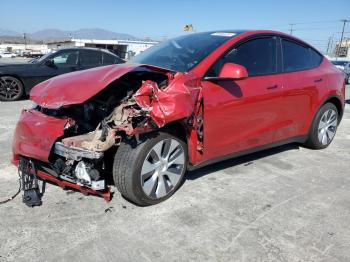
(17, 193)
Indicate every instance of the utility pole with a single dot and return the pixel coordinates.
(25, 41)
(291, 28)
(329, 45)
(341, 38)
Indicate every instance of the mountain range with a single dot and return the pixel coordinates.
(85, 33)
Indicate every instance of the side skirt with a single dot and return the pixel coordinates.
(297, 139)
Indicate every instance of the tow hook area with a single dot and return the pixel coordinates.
(34, 174)
(30, 183)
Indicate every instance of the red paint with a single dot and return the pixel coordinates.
(64, 184)
(36, 133)
(174, 102)
(63, 90)
(238, 114)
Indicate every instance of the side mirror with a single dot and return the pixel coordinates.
(233, 71)
(230, 71)
(49, 63)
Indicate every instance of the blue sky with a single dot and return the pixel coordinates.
(316, 20)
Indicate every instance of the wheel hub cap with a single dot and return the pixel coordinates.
(9, 87)
(163, 168)
(327, 127)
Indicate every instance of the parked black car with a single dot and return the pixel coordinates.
(17, 80)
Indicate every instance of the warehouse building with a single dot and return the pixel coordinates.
(343, 48)
(123, 48)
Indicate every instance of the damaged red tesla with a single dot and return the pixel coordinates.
(184, 103)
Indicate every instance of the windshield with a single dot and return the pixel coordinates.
(39, 60)
(184, 52)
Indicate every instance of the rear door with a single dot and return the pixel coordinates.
(90, 59)
(302, 78)
(244, 114)
(109, 59)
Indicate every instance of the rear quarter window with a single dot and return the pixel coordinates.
(297, 57)
(316, 58)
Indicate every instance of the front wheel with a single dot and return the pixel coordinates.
(323, 127)
(150, 168)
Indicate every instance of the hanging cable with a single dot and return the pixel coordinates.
(16, 194)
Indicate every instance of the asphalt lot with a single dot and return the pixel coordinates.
(284, 204)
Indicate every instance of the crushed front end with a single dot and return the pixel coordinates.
(71, 137)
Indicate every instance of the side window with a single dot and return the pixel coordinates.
(297, 57)
(66, 58)
(258, 56)
(90, 58)
(108, 59)
(315, 57)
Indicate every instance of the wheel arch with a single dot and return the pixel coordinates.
(178, 129)
(337, 102)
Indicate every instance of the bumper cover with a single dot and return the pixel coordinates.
(36, 134)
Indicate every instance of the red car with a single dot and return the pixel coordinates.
(185, 103)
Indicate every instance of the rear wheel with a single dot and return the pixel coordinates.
(149, 170)
(324, 127)
(11, 88)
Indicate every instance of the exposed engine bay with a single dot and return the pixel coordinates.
(139, 101)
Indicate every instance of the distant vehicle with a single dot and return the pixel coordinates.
(343, 66)
(7, 55)
(33, 54)
(347, 72)
(17, 80)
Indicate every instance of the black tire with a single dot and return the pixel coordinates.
(313, 140)
(128, 162)
(16, 90)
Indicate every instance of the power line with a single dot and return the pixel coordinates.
(305, 23)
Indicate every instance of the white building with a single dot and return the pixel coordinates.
(124, 48)
(343, 49)
(22, 47)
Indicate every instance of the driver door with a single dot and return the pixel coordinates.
(64, 61)
(243, 114)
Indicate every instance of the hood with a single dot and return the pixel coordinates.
(77, 87)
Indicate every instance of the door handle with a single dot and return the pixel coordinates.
(318, 80)
(272, 87)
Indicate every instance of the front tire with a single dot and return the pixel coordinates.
(323, 127)
(149, 168)
(11, 88)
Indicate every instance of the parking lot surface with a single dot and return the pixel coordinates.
(284, 204)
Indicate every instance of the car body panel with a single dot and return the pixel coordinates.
(61, 90)
(32, 74)
(248, 109)
(36, 133)
(302, 92)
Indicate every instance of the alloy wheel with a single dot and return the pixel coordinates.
(10, 88)
(163, 168)
(327, 127)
